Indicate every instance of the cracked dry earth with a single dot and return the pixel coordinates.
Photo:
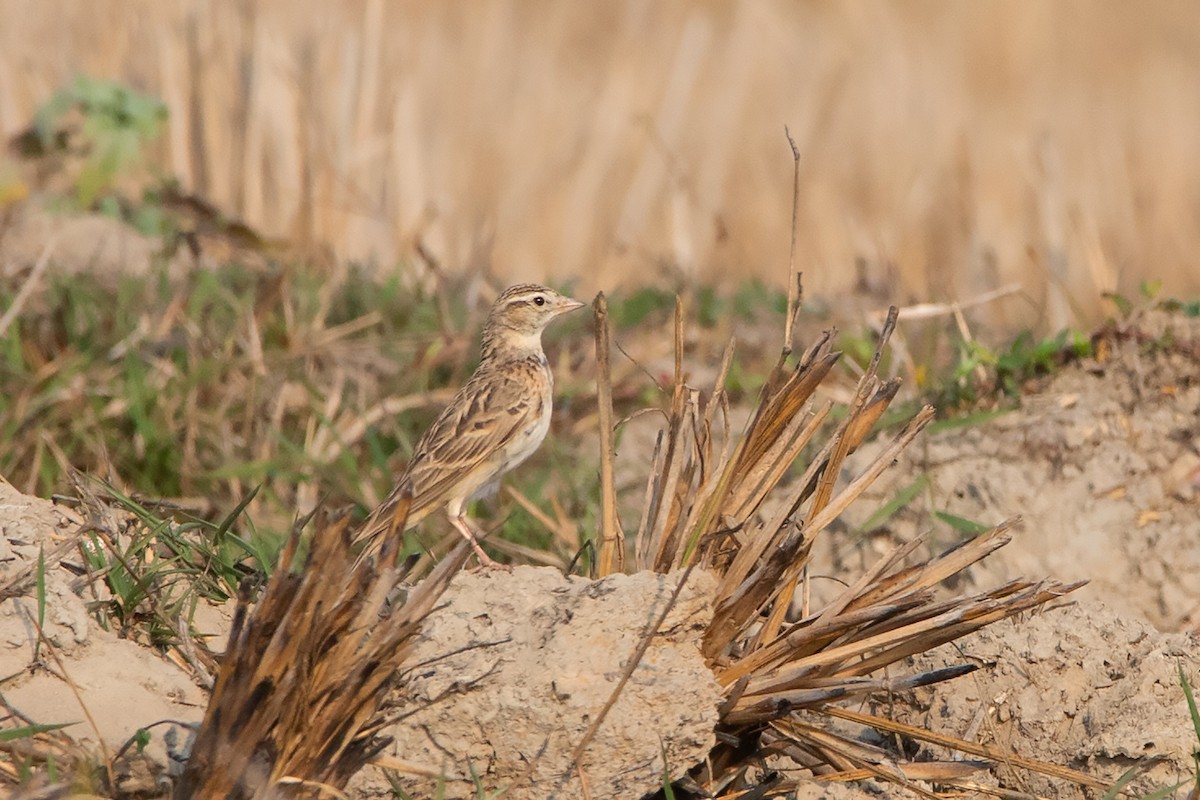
(1102, 461)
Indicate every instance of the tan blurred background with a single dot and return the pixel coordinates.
(947, 148)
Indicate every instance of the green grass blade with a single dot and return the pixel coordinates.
(901, 499)
(1191, 702)
(40, 579)
(1126, 777)
(962, 524)
(25, 731)
(1161, 794)
(259, 550)
(226, 523)
(668, 792)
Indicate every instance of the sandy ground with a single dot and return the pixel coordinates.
(1102, 461)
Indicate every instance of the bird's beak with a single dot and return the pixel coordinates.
(570, 305)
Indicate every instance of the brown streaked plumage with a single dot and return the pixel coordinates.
(495, 422)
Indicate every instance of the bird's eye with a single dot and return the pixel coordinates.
(539, 301)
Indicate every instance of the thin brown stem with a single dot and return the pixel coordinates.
(793, 282)
(611, 555)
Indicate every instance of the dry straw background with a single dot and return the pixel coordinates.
(947, 148)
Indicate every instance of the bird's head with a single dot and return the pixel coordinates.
(521, 313)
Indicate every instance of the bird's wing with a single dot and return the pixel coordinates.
(464, 446)
(471, 434)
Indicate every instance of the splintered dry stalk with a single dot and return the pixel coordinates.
(954, 743)
(298, 698)
(706, 506)
(611, 556)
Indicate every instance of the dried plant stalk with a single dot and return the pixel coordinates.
(611, 555)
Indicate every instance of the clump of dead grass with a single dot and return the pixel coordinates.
(298, 704)
(718, 499)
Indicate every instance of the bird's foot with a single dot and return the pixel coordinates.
(488, 564)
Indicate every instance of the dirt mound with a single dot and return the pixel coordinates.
(1079, 686)
(1103, 464)
(95, 243)
(512, 670)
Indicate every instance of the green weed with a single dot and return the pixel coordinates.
(158, 568)
(899, 500)
(982, 372)
(642, 306)
(107, 121)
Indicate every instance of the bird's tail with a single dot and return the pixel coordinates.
(389, 519)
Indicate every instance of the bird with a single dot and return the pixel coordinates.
(494, 423)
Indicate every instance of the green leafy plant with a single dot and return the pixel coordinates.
(1027, 356)
(642, 306)
(981, 372)
(112, 122)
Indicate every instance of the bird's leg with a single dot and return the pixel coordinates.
(459, 521)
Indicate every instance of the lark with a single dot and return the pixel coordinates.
(495, 422)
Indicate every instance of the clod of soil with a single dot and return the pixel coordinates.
(513, 669)
(1078, 686)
